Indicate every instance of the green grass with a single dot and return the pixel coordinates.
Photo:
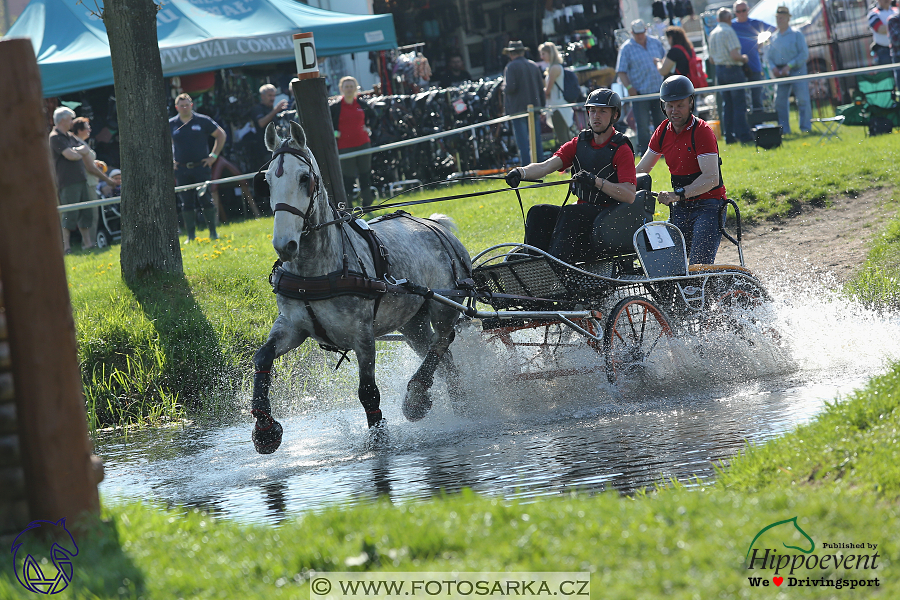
(877, 283)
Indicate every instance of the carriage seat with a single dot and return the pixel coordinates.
(614, 228)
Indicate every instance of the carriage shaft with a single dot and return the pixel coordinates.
(563, 316)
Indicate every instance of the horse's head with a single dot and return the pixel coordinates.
(296, 194)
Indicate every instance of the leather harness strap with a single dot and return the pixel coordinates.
(325, 287)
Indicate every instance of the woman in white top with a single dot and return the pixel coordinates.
(553, 87)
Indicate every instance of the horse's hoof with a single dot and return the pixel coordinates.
(417, 401)
(378, 437)
(266, 433)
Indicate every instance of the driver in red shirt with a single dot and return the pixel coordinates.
(692, 155)
(603, 162)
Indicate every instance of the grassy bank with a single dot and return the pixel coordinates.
(838, 475)
(151, 352)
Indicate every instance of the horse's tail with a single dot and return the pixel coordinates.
(446, 222)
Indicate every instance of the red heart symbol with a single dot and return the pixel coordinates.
(778, 580)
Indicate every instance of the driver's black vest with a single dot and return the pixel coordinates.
(598, 161)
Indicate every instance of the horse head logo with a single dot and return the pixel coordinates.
(33, 540)
(793, 521)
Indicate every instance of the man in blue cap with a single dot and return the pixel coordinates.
(748, 31)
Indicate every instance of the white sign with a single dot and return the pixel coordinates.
(374, 36)
(305, 53)
(658, 236)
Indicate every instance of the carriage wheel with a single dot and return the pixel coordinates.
(733, 307)
(634, 329)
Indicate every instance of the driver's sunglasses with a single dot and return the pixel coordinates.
(741, 10)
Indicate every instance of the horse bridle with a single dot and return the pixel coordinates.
(312, 187)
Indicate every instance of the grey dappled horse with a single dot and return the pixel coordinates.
(312, 239)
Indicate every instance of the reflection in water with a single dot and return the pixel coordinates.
(275, 499)
(519, 441)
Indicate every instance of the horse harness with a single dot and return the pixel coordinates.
(343, 282)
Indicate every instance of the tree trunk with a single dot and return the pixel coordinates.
(149, 221)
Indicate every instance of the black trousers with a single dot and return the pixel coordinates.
(190, 199)
(563, 231)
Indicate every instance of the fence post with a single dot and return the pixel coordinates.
(533, 142)
(55, 449)
(312, 110)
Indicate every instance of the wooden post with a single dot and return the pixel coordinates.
(312, 109)
(55, 449)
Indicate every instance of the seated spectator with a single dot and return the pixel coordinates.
(111, 191)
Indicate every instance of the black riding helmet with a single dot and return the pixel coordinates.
(676, 87)
(605, 97)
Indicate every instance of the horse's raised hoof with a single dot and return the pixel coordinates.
(417, 401)
(378, 437)
(266, 433)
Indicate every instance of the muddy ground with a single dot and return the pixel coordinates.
(828, 243)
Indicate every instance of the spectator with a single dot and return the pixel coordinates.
(786, 56)
(453, 74)
(523, 84)
(748, 31)
(553, 87)
(114, 188)
(681, 53)
(352, 119)
(638, 70)
(260, 117)
(894, 35)
(68, 154)
(81, 129)
(878, 23)
(725, 52)
(692, 157)
(190, 143)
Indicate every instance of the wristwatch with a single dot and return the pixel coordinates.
(679, 191)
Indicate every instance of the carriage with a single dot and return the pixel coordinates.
(636, 291)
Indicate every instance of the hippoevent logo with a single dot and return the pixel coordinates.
(806, 567)
(31, 558)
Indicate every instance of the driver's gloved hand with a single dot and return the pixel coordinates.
(514, 178)
(586, 179)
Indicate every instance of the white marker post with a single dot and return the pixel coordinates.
(305, 53)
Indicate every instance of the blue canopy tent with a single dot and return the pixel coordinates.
(194, 36)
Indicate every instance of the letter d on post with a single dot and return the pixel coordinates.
(305, 53)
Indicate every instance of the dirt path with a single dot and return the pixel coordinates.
(818, 241)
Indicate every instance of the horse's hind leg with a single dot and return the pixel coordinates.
(267, 432)
(417, 401)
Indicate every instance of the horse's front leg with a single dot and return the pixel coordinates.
(282, 338)
(369, 396)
